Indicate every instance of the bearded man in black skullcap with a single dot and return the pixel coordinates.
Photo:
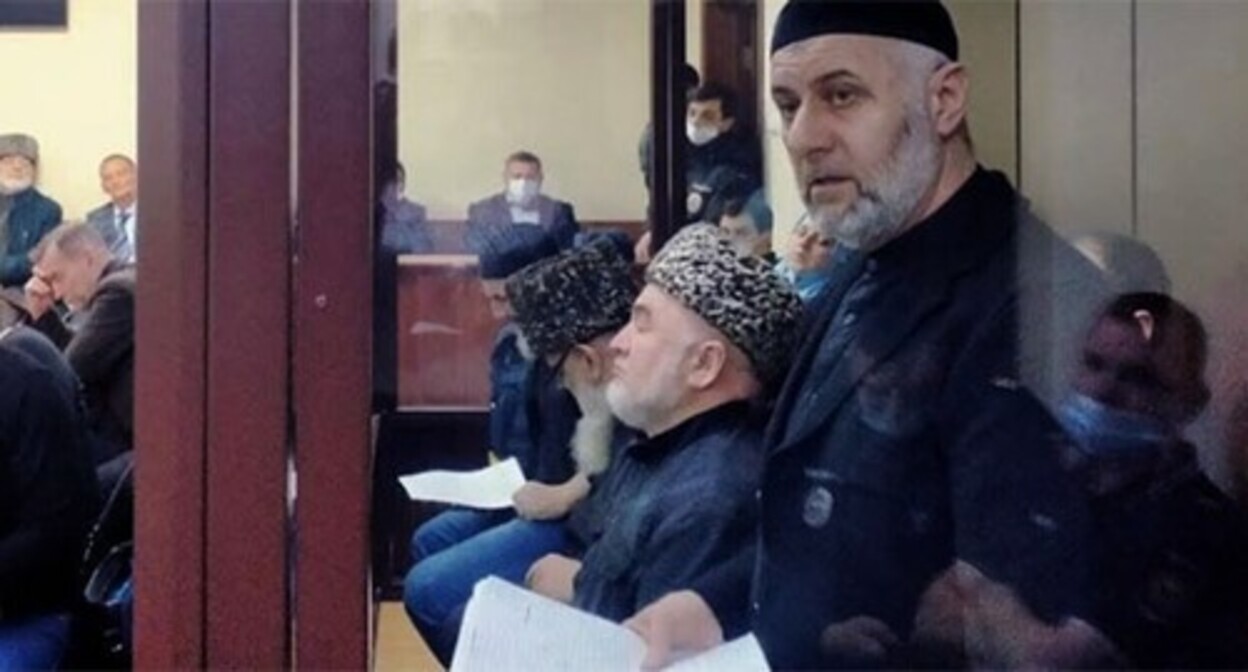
(911, 484)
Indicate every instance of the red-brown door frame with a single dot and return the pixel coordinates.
(333, 336)
(213, 346)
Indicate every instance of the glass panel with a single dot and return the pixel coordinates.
(510, 118)
(1028, 362)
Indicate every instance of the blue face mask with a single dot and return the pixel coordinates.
(1102, 431)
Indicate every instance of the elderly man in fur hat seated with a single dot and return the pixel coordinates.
(25, 214)
(709, 333)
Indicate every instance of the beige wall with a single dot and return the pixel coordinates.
(76, 91)
(987, 36)
(693, 33)
(566, 79)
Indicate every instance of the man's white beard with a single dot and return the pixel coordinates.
(11, 187)
(889, 197)
(643, 409)
(591, 440)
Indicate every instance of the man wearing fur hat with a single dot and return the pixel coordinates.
(908, 444)
(565, 309)
(709, 333)
(25, 214)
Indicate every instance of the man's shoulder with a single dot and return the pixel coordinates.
(491, 201)
(119, 280)
(102, 210)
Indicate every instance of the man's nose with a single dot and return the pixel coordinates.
(810, 131)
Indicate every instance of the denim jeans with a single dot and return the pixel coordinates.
(436, 589)
(33, 642)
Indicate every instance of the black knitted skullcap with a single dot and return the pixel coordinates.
(924, 22)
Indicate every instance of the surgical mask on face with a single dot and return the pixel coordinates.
(699, 134)
(522, 191)
(1101, 431)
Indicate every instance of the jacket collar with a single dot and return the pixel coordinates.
(919, 267)
(655, 448)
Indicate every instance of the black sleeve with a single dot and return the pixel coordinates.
(49, 474)
(703, 550)
(49, 324)
(726, 590)
(105, 338)
(1018, 516)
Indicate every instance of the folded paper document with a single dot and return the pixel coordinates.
(489, 488)
(509, 628)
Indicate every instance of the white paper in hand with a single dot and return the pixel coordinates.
(489, 488)
(508, 628)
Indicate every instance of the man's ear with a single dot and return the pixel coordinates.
(949, 90)
(707, 363)
(589, 360)
(727, 124)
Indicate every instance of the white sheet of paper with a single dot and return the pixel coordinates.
(742, 654)
(509, 628)
(488, 488)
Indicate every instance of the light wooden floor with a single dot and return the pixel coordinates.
(399, 646)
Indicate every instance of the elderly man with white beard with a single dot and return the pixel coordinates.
(566, 308)
(709, 334)
(26, 215)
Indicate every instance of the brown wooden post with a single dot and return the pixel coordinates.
(171, 323)
(333, 336)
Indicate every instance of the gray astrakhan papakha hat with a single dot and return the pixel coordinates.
(739, 295)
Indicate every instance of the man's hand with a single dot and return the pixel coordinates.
(538, 501)
(553, 576)
(39, 298)
(860, 640)
(676, 625)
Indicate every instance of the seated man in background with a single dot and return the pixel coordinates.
(405, 226)
(521, 204)
(117, 220)
(48, 498)
(709, 333)
(567, 308)
(25, 214)
(73, 265)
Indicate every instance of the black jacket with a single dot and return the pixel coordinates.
(906, 436)
(48, 492)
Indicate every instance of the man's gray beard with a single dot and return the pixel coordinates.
(889, 198)
(14, 187)
(591, 440)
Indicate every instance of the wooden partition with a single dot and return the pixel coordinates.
(444, 328)
(445, 333)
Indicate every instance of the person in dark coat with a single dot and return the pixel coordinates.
(709, 333)
(48, 498)
(565, 309)
(723, 157)
(26, 215)
(73, 265)
(909, 441)
(1171, 589)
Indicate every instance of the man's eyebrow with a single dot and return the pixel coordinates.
(839, 73)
